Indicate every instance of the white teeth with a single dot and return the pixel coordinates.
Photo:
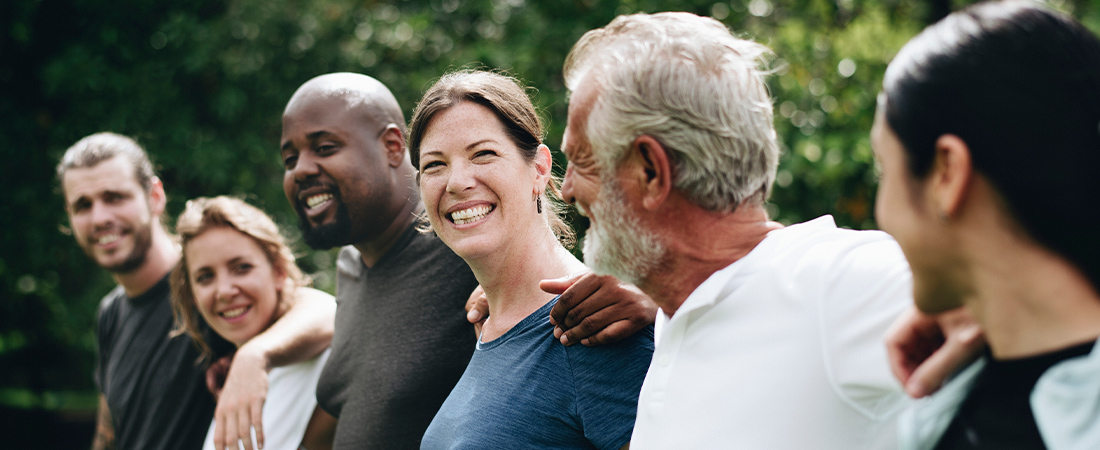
(235, 312)
(107, 239)
(318, 199)
(466, 216)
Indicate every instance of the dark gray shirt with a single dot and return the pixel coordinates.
(154, 385)
(401, 342)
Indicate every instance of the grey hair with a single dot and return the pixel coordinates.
(96, 148)
(687, 82)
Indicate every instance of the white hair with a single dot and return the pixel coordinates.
(690, 84)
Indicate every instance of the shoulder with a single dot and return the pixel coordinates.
(109, 309)
(818, 246)
(620, 359)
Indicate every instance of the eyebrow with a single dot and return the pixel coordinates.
(468, 147)
(311, 137)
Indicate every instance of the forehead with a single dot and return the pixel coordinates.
(461, 125)
(580, 108)
(310, 113)
(111, 175)
(220, 243)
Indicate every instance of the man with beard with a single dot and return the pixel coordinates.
(770, 336)
(401, 339)
(153, 394)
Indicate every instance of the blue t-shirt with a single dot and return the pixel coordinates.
(527, 390)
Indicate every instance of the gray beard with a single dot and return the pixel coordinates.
(616, 244)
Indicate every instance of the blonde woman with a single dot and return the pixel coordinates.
(237, 277)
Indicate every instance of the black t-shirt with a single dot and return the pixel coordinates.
(997, 412)
(401, 342)
(154, 384)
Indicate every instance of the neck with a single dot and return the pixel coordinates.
(511, 276)
(372, 250)
(161, 258)
(1031, 301)
(700, 243)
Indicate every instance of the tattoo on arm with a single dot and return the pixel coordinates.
(104, 429)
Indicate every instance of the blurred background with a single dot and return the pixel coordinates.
(202, 85)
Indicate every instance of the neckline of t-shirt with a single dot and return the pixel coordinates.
(532, 320)
(158, 290)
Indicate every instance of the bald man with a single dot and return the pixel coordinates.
(402, 340)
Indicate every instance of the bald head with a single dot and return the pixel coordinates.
(360, 94)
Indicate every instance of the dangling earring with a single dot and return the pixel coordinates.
(538, 202)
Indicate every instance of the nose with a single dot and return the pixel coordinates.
(101, 217)
(460, 178)
(227, 289)
(305, 167)
(567, 186)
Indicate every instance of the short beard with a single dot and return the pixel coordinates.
(143, 241)
(324, 237)
(617, 244)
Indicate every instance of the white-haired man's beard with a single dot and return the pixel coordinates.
(616, 244)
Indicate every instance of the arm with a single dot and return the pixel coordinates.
(597, 310)
(104, 429)
(592, 310)
(320, 431)
(925, 350)
(301, 333)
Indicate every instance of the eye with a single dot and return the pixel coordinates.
(80, 206)
(289, 161)
(484, 153)
(202, 278)
(242, 268)
(325, 148)
(429, 165)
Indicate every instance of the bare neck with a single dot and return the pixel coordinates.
(161, 258)
(1028, 300)
(371, 251)
(511, 279)
(699, 243)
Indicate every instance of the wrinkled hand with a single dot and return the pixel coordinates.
(477, 309)
(597, 310)
(241, 402)
(926, 349)
(216, 373)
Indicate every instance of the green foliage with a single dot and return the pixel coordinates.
(202, 85)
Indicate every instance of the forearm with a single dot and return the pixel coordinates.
(104, 429)
(301, 333)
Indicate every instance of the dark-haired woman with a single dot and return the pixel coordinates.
(488, 193)
(988, 133)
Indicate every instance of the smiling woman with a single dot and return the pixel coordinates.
(483, 173)
(237, 277)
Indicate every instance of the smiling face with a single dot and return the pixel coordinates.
(337, 175)
(235, 287)
(477, 188)
(110, 214)
(616, 242)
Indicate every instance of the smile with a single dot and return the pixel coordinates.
(107, 239)
(316, 200)
(469, 215)
(235, 312)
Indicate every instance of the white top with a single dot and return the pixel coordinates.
(783, 349)
(291, 399)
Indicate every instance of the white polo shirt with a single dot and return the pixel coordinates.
(782, 349)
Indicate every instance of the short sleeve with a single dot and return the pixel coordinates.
(607, 380)
(866, 288)
(105, 331)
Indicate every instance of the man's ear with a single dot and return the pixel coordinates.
(158, 200)
(394, 142)
(951, 175)
(654, 170)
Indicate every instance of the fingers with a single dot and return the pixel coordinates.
(243, 425)
(215, 375)
(257, 424)
(585, 295)
(962, 345)
(219, 430)
(612, 333)
(477, 307)
(909, 340)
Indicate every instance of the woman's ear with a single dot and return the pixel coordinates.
(543, 167)
(951, 175)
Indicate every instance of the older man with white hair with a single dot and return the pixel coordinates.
(770, 336)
